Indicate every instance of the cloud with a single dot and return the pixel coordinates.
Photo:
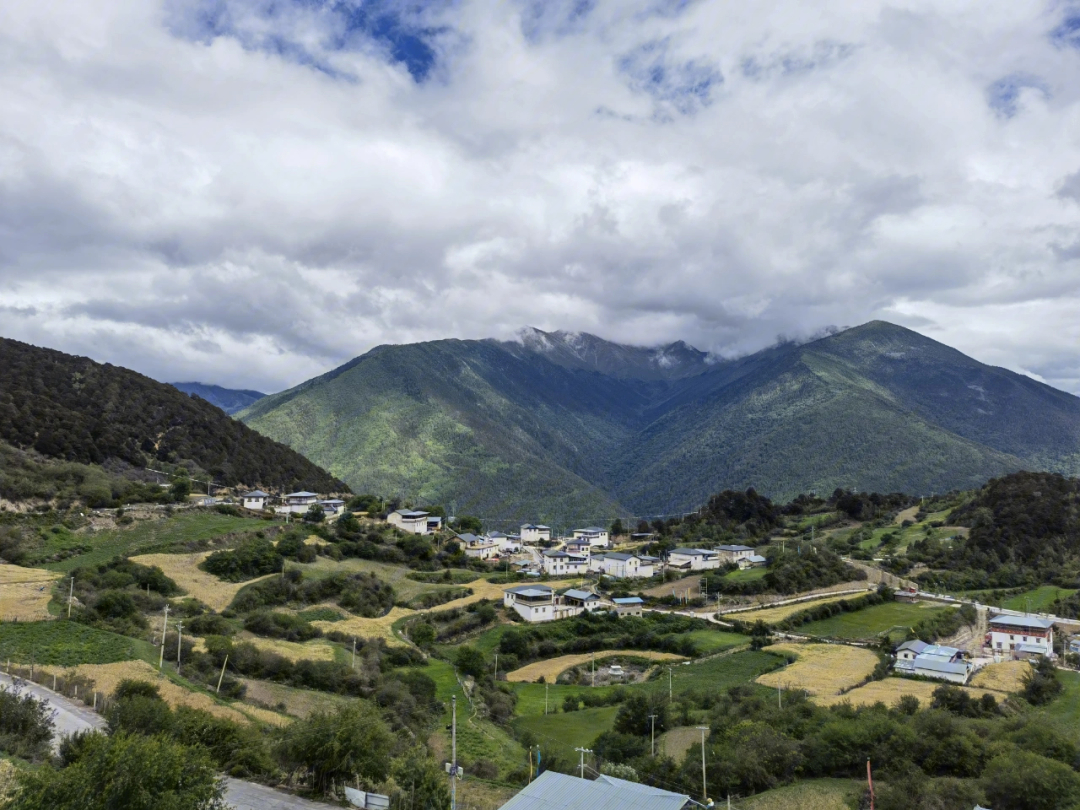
(250, 192)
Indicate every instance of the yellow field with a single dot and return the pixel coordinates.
(890, 690)
(776, 614)
(1008, 676)
(369, 628)
(297, 702)
(106, 677)
(183, 570)
(822, 669)
(551, 668)
(312, 650)
(25, 592)
(677, 742)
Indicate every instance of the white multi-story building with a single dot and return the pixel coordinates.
(596, 536)
(479, 548)
(508, 543)
(693, 559)
(539, 603)
(559, 563)
(297, 503)
(1020, 636)
(733, 554)
(410, 520)
(535, 533)
(255, 500)
(623, 566)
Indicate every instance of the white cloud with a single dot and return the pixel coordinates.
(249, 193)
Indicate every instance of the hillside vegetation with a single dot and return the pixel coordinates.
(567, 428)
(75, 410)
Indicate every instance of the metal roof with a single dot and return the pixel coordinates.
(557, 791)
(533, 590)
(256, 494)
(914, 645)
(1037, 649)
(301, 495)
(1022, 621)
(692, 552)
(537, 526)
(933, 665)
(734, 548)
(939, 649)
(574, 593)
(411, 513)
(592, 529)
(756, 558)
(619, 555)
(628, 600)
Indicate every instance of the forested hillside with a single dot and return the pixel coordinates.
(75, 410)
(229, 400)
(566, 427)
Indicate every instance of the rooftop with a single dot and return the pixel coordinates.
(557, 791)
(933, 665)
(411, 513)
(915, 645)
(574, 593)
(628, 600)
(1022, 621)
(592, 530)
(301, 495)
(256, 494)
(693, 552)
(734, 548)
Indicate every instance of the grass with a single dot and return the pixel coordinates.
(746, 575)
(317, 650)
(714, 641)
(1064, 712)
(184, 571)
(145, 535)
(1006, 676)
(25, 593)
(321, 614)
(550, 669)
(776, 614)
(64, 643)
(821, 669)
(890, 690)
(714, 674)
(873, 621)
(813, 794)
(563, 732)
(1038, 600)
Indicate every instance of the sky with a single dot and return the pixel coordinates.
(251, 192)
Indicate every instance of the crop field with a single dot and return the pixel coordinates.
(146, 535)
(776, 614)
(713, 641)
(316, 650)
(1007, 676)
(712, 674)
(746, 575)
(63, 643)
(106, 677)
(813, 794)
(821, 669)
(550, 669)
(380, 627)
(25, 593)
(295, 702)
(1038, 600)
(561, 733)
(873, 621)
(678, 741)
(890, 690)
(184, 571)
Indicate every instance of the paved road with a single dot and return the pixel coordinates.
(71, 717)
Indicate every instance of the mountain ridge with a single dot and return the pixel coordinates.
(560, 424)
(229, 400)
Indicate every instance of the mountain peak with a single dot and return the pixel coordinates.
(581, 350)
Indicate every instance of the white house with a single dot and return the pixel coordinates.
(580, 546)
(753, 561)
(624, 566)
(409, 520)
(534, 533)
(1021, 636)
(333, 506)
(732, 554)
(906, 652)
(628, 605)
(480, 548)
(434, 524)
(255, 500)
(298, 503)
(594, 534)
(693, 559)
(507, 543)
(538, 603)
(586, 600)
(559, 563)
(941, 663)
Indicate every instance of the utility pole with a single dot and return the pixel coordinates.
(779, 697)
(71, 595)
(354, 653)
(594, 668)
(583, 751)
(545, 697)
(704, 786)
(669, 692)
(496, 666)
(179, 635)
(453, 753)
(221, 677)
(652, 747)
(164, 629)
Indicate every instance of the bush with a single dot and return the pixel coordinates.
(1042, 685)
(254, 557)
(26, 724)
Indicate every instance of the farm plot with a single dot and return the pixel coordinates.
(776, 614)
(814, 794)
(183, 569)
(25, 593)
(890, 690)
(678, 741)
(549, 670)
(821, 669)
(1007, 676)
(872, 621)
(63, 643)
(380, 627)
(311, 651)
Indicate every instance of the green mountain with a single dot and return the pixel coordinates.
(229, 400)
(565, 427)
(72, 409)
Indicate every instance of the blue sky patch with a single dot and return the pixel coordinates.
(680, 85)
(1003, 96)
(823, 54)
(1068, 32)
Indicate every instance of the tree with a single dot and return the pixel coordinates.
(26, 724)
(468, 523)
(633, 715)
(422, 634)
(1041, 684)
(1024, 781)
(314, 514)
(180, 489)
(124, 770)
(471, 661)
(617, 527)
(421, 783)
(352, 742)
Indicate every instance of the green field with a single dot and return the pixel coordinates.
(1064, 712)
(563, 732)
(746, 575)
(1038, 600)
(142, 537)
(813, 794)
(64, 643)
(872, 621)
(713, 641)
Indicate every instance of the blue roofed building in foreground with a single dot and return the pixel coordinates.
(557, 791)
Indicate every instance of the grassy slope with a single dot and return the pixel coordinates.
(872, 621)
(1038, 600)
(144, 536)
(62, 643)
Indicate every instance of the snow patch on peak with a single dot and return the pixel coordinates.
(532, 338)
